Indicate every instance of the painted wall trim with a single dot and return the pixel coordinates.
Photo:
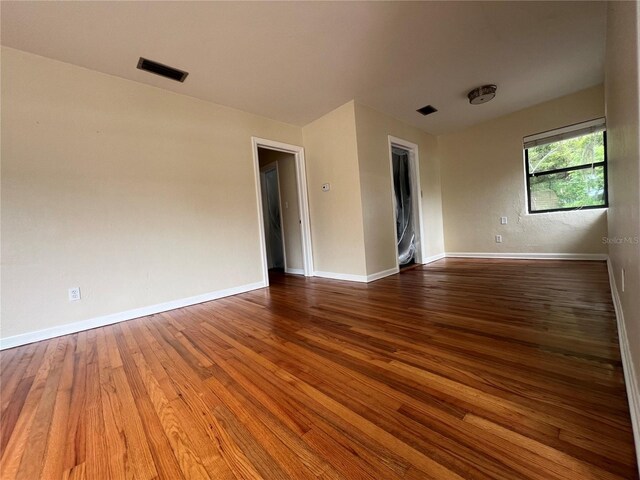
(101, 321)
(294, 271)
(531, 256)
(385, 273)
(357, 278)
(630, 377)
(341, 276)
(261, 231)
(434, 258)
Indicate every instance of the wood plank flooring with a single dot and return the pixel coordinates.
(471, 369)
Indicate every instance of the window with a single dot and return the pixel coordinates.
(567, 168)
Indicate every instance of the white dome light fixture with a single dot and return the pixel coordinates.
(481, 95)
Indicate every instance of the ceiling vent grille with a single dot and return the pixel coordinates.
(162, 70)
(429, 109)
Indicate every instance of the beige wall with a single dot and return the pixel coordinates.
(483, 179)
(337, 230)
(353, 224)
(622, 92)
(137, 195)
(154, 190)
(373, 130)
(289, 205)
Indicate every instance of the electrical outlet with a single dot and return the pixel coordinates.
(498, 238)
(74, 294)
(503, 220)
(326, 187)
(622, 282)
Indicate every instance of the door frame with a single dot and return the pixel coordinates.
(414, 174)
(303, 201)
(263, 172)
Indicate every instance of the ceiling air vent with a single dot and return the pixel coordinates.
(162, 70)
(429, 109)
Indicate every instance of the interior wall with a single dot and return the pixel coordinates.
(134, 194)
(336, 215)
(373, 130)
(289, 206)
(483, 179)
(622, 93)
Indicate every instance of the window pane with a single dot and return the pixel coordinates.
(577, 188)
(583, 150)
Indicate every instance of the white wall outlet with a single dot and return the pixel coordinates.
(74, 294)
(326, 187)
(498, 238)
(503, 220)
(622, 280)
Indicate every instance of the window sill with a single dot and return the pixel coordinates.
(533, 214)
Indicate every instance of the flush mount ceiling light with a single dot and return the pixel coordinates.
(481, 95)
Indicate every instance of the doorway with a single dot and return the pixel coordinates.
(272, 217)
(283, 208)
(407, 202)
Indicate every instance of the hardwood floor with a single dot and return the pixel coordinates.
(459, 369)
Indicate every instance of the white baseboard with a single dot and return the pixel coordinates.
(341, 276)
(294, 271)
(433, 258)
(385, 273)
(101, 321)
(523, 256)
(356, 278)
(630, 377)
(531, 256)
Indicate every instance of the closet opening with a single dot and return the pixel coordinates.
(406, 197)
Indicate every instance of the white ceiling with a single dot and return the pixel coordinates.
(295, 61)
